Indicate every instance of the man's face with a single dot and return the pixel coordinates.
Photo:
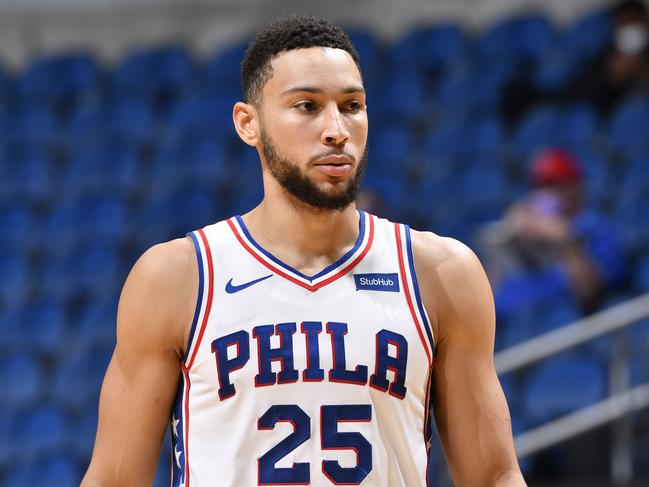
(313, 126)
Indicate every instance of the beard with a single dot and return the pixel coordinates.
(287, 173)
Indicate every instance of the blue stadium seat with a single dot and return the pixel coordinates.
(391, 147)
(95, 323)
(222, 71)
(22, 378)
(600, 185)
(522, 38)
(538, 129)
(107, 165)
(446, 140)
(85, 430)
(489, 82)
(86, 121)
(19, 474)
(132, 120)
(534, 35)
(627, 126)
(41, 429)
(43, 328)
(456, 94)
(58, 231)
(17, 222)
(7, 449)
(56, 470)
(202, 112)
(95, 269)
(26, 174)
(60, 76)
(557, 313)
(402, 97)
(630, 206)
(156, 71)
(578, 125)
(430, 49)
(562, 385)
(638, 341)
(588, 35)
(197, 159)
(389, 189)
(77, 381)
(641, 275)
(35, 124)
(555, 69)
(103, 218)
(88, 270)
(484, 136)
(516, 326)
(481, 192)
(99, 218)
(369, 51)
(152, 220)
(15, 282)
(193, 208)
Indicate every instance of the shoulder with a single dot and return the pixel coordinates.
(443, 256)
(166, 264)
(453, 283)
(159, 295)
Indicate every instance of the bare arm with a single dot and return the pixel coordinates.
(155, 308)
(470, 408)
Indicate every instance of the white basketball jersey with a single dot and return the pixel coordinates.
(292, 379)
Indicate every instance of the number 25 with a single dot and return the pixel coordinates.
(330, 438)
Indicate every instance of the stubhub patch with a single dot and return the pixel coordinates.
(377, 282)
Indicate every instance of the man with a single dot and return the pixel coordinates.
(304, 311)
(549, 246)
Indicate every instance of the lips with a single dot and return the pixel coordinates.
(334, 165)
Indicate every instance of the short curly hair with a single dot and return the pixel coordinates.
(286, 34)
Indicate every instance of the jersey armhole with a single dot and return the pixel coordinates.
(415, 284)
(204, 297)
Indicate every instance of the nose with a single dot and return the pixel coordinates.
(335, 132)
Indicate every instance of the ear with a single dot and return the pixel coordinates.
(246, 123)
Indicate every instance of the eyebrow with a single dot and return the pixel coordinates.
(313, 89)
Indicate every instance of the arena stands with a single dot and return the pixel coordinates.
(97, 163)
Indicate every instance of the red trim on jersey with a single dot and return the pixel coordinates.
(404, 278)
(310, 287)
(210, 295)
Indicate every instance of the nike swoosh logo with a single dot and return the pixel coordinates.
(232, 288)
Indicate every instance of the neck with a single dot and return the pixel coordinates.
(304, 237)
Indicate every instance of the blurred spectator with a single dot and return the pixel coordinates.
(548, 245)
(620, 70)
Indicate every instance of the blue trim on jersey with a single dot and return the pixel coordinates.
(415, 285)
(339, 262)
(199, 300)
(178, 473)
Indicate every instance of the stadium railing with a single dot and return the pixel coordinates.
(622, 401)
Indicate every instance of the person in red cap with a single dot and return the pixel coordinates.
(549, 238)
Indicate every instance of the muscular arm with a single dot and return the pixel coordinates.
(470, 408)
(155, 308)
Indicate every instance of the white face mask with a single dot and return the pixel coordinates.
(632, 38)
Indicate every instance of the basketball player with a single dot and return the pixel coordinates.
(304, 342)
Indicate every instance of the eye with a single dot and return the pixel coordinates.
(306, 106)
(353, 106)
